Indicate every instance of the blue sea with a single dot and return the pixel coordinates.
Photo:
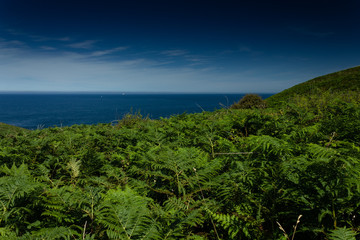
(42, 110)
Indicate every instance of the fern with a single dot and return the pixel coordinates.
(54, 233)
(176, 173)
(177, 223)
(74, 167)
(126, 216)
(240, 223)
(270, 145)
(7, 233)
(318, 151)
(15, 187)
(342, 234)
(62, 204)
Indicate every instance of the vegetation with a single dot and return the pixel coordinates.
(229, 174)
(342, 85)
(6, 129)
(249, 101)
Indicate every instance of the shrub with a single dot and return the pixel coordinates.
(249, 101)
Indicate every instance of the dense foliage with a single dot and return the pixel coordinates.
(249, 101)
(230, 174)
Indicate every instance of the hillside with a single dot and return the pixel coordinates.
(6, 129)
(337, 84)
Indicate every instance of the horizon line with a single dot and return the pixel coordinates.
(124, 92)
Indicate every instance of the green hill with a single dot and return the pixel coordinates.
(6, 129)
(339, 84)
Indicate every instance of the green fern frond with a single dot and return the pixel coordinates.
(74, 166)
(342, 234)
(268, 144)
(239, 223)
(179, 223)
(7, 233)
(54, 233)
(175, 203)
(62, 204)
(321, 152)
(14, 186)
(126, 216)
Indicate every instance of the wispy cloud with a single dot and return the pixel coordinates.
(36, 38)
(63, 39)
(174, 53)
(88, 44)
(47, 48)
(12, 43)
(243, 50)
(177, 55)
(10, 49)
(197, 60)
(107, 51)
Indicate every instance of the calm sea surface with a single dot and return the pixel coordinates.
(47, 110)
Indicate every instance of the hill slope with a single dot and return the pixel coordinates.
(6, 129)
(337, 83)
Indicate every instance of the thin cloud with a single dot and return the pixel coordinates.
(193, 60)
(107, 52)
(36, 38)
(174, 53)
(88, 44)
(242, 50)
(197, 60)
(47, 48)
(12, 43)
(14, 32)
(63, 39)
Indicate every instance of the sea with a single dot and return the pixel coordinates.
(43, 110)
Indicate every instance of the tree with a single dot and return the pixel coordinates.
(249, 101)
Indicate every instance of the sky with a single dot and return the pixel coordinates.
(187, 46)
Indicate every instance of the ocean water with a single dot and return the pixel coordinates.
(42, 110)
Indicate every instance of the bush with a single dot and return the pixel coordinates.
(249, 101)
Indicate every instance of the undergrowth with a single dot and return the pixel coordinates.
(230, 174)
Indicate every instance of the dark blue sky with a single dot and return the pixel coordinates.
(174, 46)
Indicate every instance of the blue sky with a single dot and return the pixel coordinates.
(174, 46)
